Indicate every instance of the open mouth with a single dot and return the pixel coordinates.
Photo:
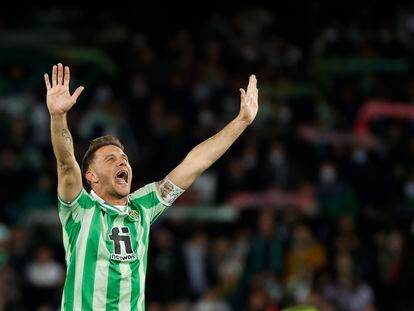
(122, 177)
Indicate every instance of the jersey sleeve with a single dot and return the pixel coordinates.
(150, 202)
(75, 209)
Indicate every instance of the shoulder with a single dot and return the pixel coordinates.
(83, 199)
(146, 195)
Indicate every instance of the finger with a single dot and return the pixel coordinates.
(252, 83)
(77, 92)
(254, 79)
(242, 94)
(54, 75)
(59, 74)
(67, 76)
(47, 81)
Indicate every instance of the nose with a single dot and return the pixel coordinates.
(123, 162)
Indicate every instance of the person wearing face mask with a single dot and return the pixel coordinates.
(335, 198)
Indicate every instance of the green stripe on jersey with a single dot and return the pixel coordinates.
(89, 266)
(70, 233)
(143, 265)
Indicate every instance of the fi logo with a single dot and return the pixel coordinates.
(121, 240)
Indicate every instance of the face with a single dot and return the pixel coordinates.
(110, 172)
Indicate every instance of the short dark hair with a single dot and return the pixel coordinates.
(95, 145)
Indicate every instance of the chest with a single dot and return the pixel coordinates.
(121, 238)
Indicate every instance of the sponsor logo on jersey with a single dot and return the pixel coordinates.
(128, 257)
(122, 245)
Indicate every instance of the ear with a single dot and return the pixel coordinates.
(91, 176)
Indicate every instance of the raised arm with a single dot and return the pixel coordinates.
(59, 102)
(205, 154)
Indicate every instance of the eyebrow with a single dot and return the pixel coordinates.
(108, 156)
(112, 155)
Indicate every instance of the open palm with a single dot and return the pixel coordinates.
(249, 103)
(58, 98)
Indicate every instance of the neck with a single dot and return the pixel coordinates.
(110, 199)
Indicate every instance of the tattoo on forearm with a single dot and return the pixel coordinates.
(66, 135)
(69, 142)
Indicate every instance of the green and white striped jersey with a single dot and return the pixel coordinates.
(106, 250)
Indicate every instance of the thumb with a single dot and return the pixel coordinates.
(242, 93)
(77, 92)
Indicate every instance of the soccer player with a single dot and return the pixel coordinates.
(106, 231)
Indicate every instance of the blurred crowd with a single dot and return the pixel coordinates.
(326, 212)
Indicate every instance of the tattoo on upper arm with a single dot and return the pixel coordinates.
(168, 191)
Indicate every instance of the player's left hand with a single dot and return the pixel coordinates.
(249, 103)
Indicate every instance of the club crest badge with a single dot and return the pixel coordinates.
(133, 214)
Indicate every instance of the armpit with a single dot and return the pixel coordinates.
(168, 192)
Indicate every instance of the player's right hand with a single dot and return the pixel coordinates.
(58, 98)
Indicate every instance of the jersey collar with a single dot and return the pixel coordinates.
(108, 206)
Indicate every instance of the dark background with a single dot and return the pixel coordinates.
(303, 209)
